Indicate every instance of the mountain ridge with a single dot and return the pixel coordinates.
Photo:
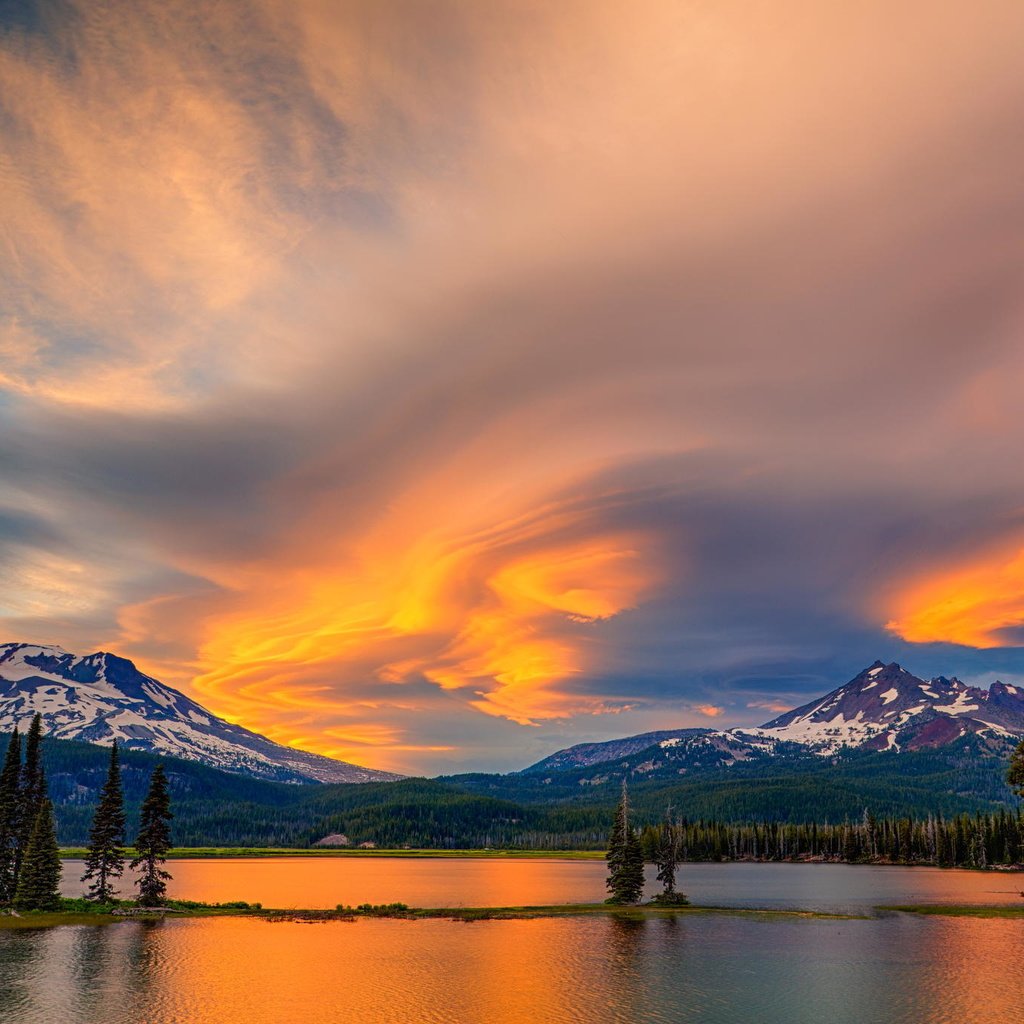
(884, 707)
(101, 697)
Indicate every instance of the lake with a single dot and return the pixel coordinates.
(716, 969)
(325, 882)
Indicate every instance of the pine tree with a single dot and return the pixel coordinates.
(851, 846)
(667, 859)
(870, 834)
(1015, 771)
(32, 791)
(39, 880)
(625, 857)
(153, 841)
(10, 811)
(616, 854)
(105, 860)
(634, 877)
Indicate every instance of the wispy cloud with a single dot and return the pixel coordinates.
(397, 376)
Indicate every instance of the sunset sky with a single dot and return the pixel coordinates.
(436, 384)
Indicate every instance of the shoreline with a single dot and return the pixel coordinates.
(255, 852)
(79, 913)
(979, 910)
(237, 852)
(187, 910)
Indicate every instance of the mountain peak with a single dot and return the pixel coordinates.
(101, 697)
(21, 650)
(885, 706)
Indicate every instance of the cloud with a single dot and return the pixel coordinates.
(710, 710)
(395, 378)
(775, 706)
(980, 604)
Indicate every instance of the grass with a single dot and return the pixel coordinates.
(45, 919)
(215, 852)
(79, 912)
(643, 911)
(956, 910)
(82, 911)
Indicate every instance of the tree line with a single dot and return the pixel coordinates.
(30, 869)
(214, 808)
(981, 841)
(978, 841)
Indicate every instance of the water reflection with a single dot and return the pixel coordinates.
(713, 969)
(302, 882)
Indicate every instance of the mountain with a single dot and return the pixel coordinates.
(583, 755)
(885, 707)
(101, 697)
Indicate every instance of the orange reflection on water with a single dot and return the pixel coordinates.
(711, 969)
(323, 883)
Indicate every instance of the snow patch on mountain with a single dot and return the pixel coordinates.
(900, 716)
(885, 707)
(100, 697)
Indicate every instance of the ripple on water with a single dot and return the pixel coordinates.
(713, 969)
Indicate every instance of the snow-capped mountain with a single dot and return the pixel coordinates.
(885, 707)
(101, 697)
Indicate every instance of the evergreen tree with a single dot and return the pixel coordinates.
(1015, 772)
(616, 855)
(153, 841)
(10, 811)
(851, 845)
(625, 857)
(32, 791)
(39, 879)
(105, 860)
(667, 859)
(870, 834)
(634, 873)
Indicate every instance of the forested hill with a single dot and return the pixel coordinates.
(214, 808)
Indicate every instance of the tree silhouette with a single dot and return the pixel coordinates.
(625, 857)
(105, 860)
(32, 791)
(39, 879)
(153, 841)
(10, 812)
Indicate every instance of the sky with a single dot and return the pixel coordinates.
(437, 383)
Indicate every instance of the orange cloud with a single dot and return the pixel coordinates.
(711, 710)
(979, 603)
(525, 634)
(500, 617)
(777, 706)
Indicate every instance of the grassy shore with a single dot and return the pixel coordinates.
(956, 910)
(77, 912)
(217, 852)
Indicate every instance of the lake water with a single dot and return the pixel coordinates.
(324, 883)
(712, 969)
